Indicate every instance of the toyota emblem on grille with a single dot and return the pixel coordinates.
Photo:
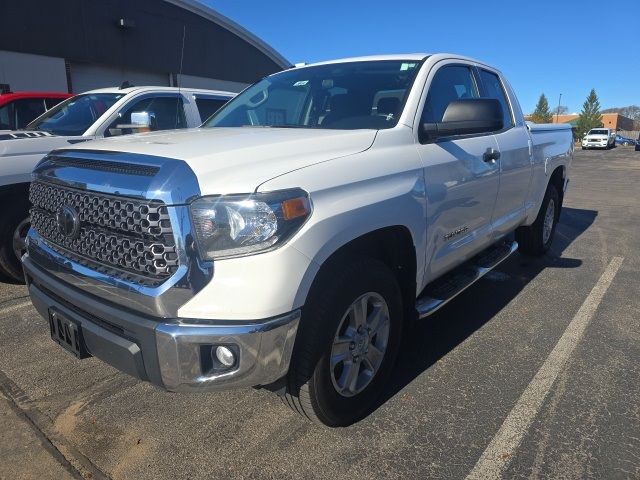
(68, 221)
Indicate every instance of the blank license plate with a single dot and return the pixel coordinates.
(68, 334)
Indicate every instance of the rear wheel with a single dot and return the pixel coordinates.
(536, 238)
(347, 344)
(13, 234)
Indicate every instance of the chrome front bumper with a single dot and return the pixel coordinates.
(264, 350)
(176, 354)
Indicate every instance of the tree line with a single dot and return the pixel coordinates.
(590, 116)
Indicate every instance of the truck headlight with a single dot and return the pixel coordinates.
(237, 225)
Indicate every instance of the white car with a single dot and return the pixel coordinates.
(287, 242)
(103, 113)
(599, 138)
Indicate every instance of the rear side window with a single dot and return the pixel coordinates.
(208, 106)
(493, 89)
(453, 82)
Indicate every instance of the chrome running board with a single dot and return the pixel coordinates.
(438, 293)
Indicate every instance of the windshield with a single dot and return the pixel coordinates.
(75, 115)
(598, 132)
(344, 96)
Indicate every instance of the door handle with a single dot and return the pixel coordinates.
(491, 155)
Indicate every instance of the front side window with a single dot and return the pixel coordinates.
(493, 89)
(346, 96)
(75, 115)
(27, 110)
(18, 113)
(165, 113)
(450, 83)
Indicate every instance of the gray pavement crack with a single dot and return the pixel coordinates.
(76, 463)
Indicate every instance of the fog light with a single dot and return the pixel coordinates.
(225, 356)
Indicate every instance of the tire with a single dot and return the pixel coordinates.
(314, 389)
(535, 239)
(12, 232)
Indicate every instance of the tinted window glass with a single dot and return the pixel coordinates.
(450, 83)
(493, 89)
(26, 110)
(52, 102)
(166, 113)
(598, 132)
(6, 117)
(350, 95)
(75, 115)
(208, 106)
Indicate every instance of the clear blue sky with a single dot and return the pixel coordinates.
(550, 46)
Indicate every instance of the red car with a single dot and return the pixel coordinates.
(18, 109)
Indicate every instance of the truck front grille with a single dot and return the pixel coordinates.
(127, 238)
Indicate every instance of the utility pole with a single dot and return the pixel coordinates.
(558, 110)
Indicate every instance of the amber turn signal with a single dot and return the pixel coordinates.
(295, 207)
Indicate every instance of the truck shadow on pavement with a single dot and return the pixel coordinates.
(427, 341)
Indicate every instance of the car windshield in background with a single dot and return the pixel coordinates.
(598, 132)
(75, 115)
(345, 96)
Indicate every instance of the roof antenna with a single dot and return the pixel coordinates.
(125, 84)
(184, 34)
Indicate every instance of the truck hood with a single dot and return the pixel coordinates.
(22, 142)
(238, 160)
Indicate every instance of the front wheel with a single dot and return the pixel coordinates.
(347, 343)
(536, 238)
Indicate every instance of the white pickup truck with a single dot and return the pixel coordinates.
(100, 113)
(286, 243)
(599, 138)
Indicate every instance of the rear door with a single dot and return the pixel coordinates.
(461, 187)
(514, 144)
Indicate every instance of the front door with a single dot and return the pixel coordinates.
(461, 183)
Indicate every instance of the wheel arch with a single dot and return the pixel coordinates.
(557, 179)
(392, 245)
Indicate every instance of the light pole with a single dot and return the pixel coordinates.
(558, 110)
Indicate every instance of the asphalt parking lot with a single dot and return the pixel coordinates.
(536, 367)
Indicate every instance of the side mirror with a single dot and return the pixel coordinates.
(465, 117)
(141, 119)
(140, 122)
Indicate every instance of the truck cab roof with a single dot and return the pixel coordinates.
(149, 88)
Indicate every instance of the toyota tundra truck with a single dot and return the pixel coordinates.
(287, 243)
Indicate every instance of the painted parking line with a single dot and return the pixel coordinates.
(13, 308)
(495, 459)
